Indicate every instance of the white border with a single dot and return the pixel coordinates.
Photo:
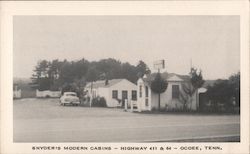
(8, 9)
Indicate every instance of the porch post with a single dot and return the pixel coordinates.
(126, 105)
(131, 106)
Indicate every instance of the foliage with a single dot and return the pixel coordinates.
(40, 77)
(196, 81)
(225, 93)
(159, 85)
(142, 69)
(99, 102)
(52, 75)
(69, 88)
(221, 91)
(189, 88)
(184, 97)
(234, 80)
(196, 78)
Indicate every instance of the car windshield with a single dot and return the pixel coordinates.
(70, 94)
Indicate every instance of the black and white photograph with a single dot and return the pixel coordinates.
(126, 79)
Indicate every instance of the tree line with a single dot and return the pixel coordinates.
(73, 75)
(55, 74)
(224, 94)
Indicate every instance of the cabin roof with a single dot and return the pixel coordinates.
(101, 83)
(166, 76)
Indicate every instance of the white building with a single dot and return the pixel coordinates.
(17, 92)
(171, 99)
(114, 91)
(48, 94)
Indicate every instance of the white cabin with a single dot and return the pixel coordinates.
(115, 91)
(170, 99)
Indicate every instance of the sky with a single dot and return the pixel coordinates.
(212, 43)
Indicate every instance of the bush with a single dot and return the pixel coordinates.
(99, 102)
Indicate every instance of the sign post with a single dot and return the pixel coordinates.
(159, 64)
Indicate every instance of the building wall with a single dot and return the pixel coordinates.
(123, 85)
(106, 92)
(141, 100)
(48, 93)
(167, 102)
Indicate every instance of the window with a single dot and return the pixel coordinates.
(146, 91)
(114, 94)
(175, 91)
(140, 91)
(134, 95)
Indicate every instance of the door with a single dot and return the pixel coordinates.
(124, 96)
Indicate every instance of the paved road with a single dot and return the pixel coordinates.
(43, 120)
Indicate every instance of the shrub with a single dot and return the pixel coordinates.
(99, 102)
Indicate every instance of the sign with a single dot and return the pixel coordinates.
(159, 64)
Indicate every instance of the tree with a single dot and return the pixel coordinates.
(159, 85)
(52, 75)
(190, 88)
(234, 80)
(40, 78)
(69, 87)
(92, 74)
(142, 69)
(221, 93)
(225, 93)
(128, 71)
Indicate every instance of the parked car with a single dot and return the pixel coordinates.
(69, 98)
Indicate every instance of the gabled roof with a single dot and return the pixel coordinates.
(167, 76)
(101, 83)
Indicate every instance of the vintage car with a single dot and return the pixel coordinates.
(69, 98)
